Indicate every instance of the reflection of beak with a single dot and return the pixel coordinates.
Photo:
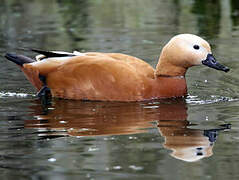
(211, 62)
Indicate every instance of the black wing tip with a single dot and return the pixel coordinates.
(13, 57)
(18, 59)
(39, 51)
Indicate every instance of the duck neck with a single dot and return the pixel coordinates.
(168, 65)
(164, 69)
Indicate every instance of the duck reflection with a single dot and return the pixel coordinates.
(79, 118)
(188, 144)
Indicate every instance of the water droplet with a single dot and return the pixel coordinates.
(132, 137)
(62, 122)
(147, 41)
(206, 118)
(52, 160)
(117, 167)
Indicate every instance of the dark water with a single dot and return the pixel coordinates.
(191, 138)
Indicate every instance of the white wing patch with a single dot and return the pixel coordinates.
(77, 53)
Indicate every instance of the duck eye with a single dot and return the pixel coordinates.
(196, 47)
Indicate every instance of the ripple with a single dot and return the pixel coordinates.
(93, 149)
(117, 167)
(195, 100)
(136, 168)
(13, 94)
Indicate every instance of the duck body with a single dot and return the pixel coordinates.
(113, 76)
(103, 76)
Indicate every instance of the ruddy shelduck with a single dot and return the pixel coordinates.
(116, 76)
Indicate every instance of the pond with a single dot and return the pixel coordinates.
(195, 137)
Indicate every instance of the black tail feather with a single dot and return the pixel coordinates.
(49, 54)
(18, 59)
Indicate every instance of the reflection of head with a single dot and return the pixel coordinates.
(187, 144)
(189, 149)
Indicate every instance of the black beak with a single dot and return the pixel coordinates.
(212, 63)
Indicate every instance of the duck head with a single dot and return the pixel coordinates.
(184, 51)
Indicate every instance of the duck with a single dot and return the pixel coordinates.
(98, 76)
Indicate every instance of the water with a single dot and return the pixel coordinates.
(194, 137)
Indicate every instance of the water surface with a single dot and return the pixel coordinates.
(195, 137)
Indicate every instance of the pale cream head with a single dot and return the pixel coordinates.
(182, 52)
